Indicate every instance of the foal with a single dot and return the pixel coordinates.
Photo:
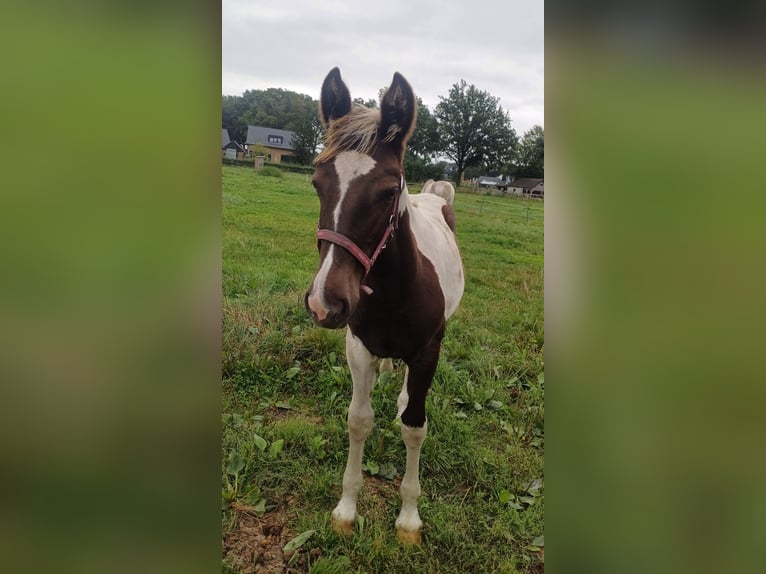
(389, 269)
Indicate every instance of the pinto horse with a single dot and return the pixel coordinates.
(389, 270)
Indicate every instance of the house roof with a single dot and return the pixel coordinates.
(224, 137)
(260, 135)
(526, 182)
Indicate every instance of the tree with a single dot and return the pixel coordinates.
(424, 142)
(530, 159)
(371, 103)
(232, 108)
(275, 108)
(308, 134)
(473, 128)
(419, 169)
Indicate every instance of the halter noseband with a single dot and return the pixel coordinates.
(355, 250)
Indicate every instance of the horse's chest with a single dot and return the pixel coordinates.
(398, 331)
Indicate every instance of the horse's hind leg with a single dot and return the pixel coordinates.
(360, 417)
(414, 429)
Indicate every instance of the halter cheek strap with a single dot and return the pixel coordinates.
(355, 250)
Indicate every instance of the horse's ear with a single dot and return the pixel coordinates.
(335, 101)
(398, 110)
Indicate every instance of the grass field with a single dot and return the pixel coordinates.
(286, 388)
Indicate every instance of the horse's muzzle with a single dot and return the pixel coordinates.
(332, 315)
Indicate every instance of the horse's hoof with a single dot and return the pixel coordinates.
(343, 527)
(409, 537)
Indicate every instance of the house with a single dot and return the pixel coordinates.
(531, 186)
(278, 142)
(493, 182)
(237, 150)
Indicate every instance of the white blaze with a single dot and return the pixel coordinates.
(348, 166)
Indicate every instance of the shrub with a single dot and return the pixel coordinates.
(271, 171)
(294, 167)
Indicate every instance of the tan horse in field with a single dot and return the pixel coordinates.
(441, 188)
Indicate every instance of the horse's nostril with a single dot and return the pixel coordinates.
(339, 311)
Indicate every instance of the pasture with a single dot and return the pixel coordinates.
(286, 388)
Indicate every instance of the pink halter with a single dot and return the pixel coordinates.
(355, 250)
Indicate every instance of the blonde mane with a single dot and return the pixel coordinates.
(357, 131)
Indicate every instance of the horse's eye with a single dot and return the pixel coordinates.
(388, 194)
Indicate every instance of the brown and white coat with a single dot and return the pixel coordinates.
(399, 307)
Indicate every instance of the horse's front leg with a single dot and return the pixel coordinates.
(360, 417)
(412, 406)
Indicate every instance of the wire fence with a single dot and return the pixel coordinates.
(515, 208)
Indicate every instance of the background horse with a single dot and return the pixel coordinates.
(389, 269)
(441, 188)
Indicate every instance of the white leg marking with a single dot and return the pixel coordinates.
(404, 398)
(386, 366)
(408, 524)
(360, 417)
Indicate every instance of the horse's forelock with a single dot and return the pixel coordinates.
(356, 131)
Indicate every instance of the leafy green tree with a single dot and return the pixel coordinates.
(371, 103)
(530, 158)
(308, 134)
(474, 128)
(420, 169)
(232, 110)
(422, 146)
(276, 108)
(425, 142)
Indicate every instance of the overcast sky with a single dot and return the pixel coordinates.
(495, 44)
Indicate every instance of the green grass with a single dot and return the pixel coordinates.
(286, 388)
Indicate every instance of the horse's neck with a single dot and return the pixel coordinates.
(399, 260)
(404, 257)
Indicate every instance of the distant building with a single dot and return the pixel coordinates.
(531, 186)
(229, 144)
(278, 142)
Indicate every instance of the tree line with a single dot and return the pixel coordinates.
(468, 127)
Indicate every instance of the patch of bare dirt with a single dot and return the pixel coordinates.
(254, 546)
(382, 488)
